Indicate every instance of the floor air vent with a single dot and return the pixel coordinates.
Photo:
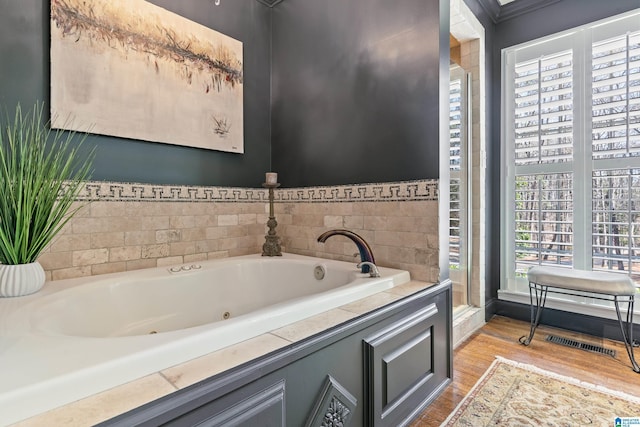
(581, 345)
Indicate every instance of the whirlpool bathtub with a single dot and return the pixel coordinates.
(82, 336)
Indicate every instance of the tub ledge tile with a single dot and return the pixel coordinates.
(103, 406)
(313, 325)
(211, 364)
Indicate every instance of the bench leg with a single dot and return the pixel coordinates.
(540, 292)
(627, 335)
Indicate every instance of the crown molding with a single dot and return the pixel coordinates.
(491, 8)
(511, 10)
(521, 7)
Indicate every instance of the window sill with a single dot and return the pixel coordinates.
(576, 305)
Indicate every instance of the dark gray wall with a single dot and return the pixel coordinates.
(554, 18)
(24, 78)
(355, 90)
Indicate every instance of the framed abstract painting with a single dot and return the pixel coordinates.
(130, 69)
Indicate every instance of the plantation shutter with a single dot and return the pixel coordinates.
(455, 140)
(543, 109)
(615, 112)
(616, 97)
(543, 135)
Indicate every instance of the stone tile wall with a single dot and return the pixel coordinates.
(126, 227)
(400, 225)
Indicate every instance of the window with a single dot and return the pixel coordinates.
(459, 117)
(571, 140)
(455, 180)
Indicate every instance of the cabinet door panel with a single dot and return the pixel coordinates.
(265, 407)
(399, 366)
(409, 365)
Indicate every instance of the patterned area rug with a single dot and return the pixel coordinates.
(516, 394)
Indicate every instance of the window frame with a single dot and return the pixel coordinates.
(580, 40)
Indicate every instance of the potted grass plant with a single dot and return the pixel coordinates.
(42, 172)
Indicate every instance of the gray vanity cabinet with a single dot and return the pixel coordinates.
(379, 369)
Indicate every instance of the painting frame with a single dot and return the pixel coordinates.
(131, 69)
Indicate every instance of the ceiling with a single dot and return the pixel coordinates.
(501, 10)
(498, 10)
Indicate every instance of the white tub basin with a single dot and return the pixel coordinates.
(82, 336)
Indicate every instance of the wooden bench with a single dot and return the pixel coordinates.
(615, 287)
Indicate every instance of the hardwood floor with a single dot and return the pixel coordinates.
(499, 337)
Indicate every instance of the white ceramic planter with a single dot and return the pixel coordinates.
(21, 279)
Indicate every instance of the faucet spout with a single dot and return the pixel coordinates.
(366, 254)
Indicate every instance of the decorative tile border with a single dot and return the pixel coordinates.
(384, 192)
(133, 192)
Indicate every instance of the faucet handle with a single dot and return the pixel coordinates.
(373, 270)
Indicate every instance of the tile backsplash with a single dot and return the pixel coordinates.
(125, 226)
(398, 220)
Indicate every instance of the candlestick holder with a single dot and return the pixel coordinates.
(271, 246)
